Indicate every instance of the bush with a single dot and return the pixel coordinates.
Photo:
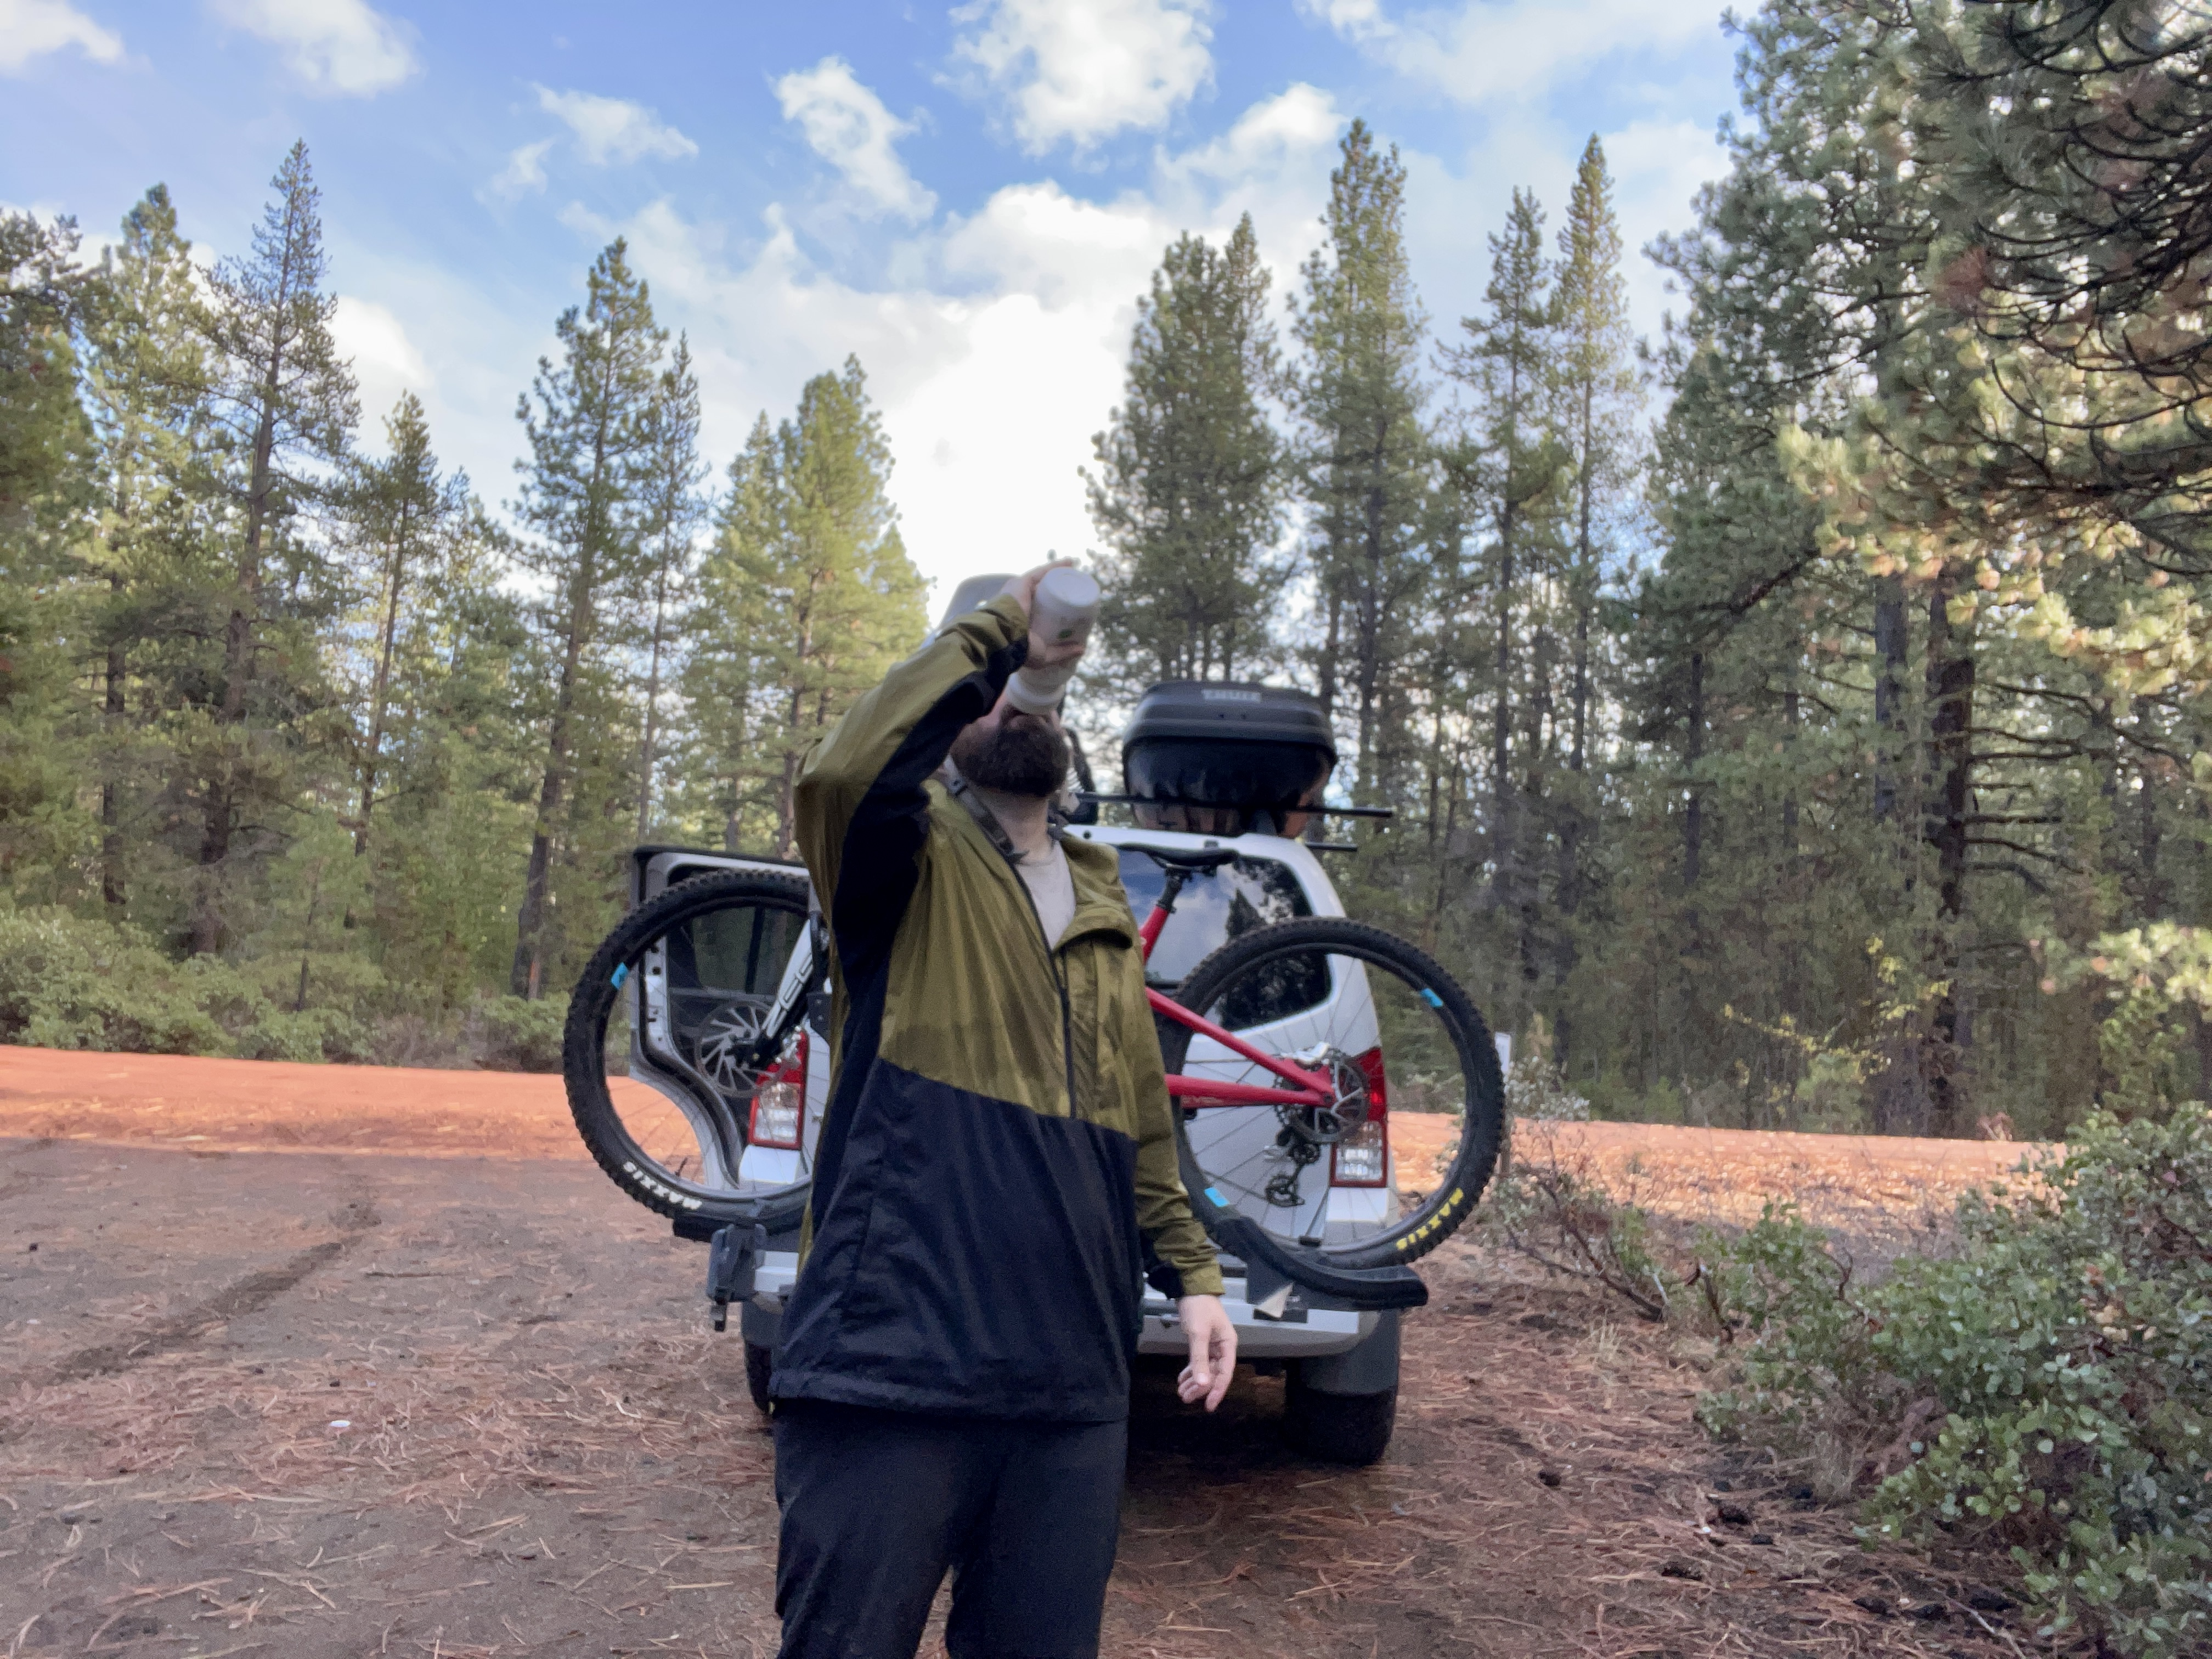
(2048, 1387)
(1551, 1205)
(523, 1036)
(67, 982)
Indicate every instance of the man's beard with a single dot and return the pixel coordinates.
(1020, 756)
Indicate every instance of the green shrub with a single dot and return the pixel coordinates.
(70, 982)
(67, 982)
(2048, 1387)
(523, 1036)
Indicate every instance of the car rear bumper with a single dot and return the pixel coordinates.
(1302, 1333)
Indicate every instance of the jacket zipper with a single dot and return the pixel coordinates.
(1060, 980)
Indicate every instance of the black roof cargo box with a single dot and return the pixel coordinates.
(1214, 756)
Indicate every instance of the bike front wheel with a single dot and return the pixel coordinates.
(1393, 1164)
(659, 1051)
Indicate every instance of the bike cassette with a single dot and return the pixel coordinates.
(1324, 1126)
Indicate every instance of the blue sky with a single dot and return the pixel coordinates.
(970, 198)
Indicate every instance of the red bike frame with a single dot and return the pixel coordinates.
(1313, 1089)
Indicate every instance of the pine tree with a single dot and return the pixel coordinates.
(1598, 387)
(403, 521)
(145, 376)
(674, 510)
(807, 599)
(1188, 490)
(44, 291)
(46, 463)
(1367, 455)
(588, 420)
(281, 406)
(1506, 363)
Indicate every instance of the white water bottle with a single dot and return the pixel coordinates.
(1061, 612)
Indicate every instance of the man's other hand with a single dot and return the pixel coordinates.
(1213, 1349)
(1044, 654)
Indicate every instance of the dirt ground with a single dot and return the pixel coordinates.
(317, 1361)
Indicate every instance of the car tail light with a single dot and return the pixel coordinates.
(1378, 1086)
(779, 1102)
(1362, 1159)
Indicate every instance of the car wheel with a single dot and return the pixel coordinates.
(1338, 1428)
(760, 1366)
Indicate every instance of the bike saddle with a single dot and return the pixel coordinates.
(1182, 858)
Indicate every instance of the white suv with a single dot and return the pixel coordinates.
(1340, 1365)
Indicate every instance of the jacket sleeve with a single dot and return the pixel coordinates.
(862, 813)
(1180, 1258)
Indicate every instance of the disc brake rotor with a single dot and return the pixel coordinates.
(726, 1043)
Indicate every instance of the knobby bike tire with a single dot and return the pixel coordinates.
(583, 1051)
(1457, 1187)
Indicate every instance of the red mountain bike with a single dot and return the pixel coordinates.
(1293, 1052)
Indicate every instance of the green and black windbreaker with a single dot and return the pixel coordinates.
(996, 1171)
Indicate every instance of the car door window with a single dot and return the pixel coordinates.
(1217, 906)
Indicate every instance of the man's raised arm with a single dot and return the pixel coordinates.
(860, 788)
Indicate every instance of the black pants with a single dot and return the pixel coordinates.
(878, 1505)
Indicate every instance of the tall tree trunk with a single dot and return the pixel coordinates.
(1889, 691)
(646, 756)
(1503, 839)
(1693, 812)
(380, 691)
(2146, 847)
(1789, 720)
(1584, 582)
(1332, 642)
(238, 648)
(528, 975)
(1951, 757)
(114, 891)
(1370, 630)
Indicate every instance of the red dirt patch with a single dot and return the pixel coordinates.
(266, 1106)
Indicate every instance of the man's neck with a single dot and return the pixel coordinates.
(1023, 818)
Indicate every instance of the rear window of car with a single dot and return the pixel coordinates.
(1211, 910)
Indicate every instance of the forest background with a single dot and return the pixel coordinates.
(1794, 720)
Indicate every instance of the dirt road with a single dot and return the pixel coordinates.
(446, 1392)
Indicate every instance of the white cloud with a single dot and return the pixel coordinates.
(1268, 136)
(31, 28)
(1085, 71)
(386, 363)
(1354, 19)
(334, 46)
(34, 27)
(1517, 50)
(848, 126)
(613, 129)
(1658, 167)
(1451, 208)
(997, 348)
(524, 173)
(1058, 249)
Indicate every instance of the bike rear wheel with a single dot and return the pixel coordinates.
(1393, 1167)
(681, 985)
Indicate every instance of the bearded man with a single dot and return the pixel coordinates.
(996, 1175)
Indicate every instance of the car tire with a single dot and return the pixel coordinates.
(760, 1366)
(1337, 1428)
